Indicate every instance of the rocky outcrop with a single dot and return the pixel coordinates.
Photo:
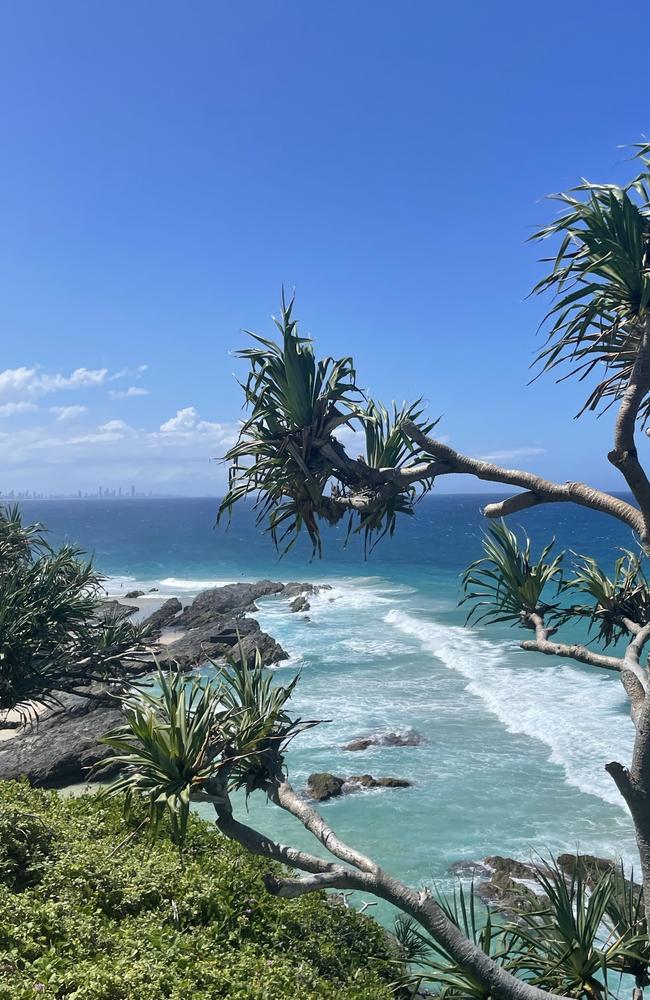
(408, 739)
(322, 785)
(63, 746)
(65, 743)
(300, 604)
(163, 616)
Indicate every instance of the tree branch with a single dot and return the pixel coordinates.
(538, 490)
(582, 654)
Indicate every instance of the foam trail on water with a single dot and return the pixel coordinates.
(579, 715)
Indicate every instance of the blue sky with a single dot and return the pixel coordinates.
(166, 167)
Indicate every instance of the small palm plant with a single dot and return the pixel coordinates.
(195, 739)
(567, 945)
(435, 967)
(506, 584)
(617, 601)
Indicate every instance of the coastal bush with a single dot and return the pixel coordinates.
(54, 634)
(103, 916)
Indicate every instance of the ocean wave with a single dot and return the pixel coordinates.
(578, 715)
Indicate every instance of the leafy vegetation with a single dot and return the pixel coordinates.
(53, 635)
(584, 933)
(103, 917)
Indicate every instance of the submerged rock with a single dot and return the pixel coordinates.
(408, 739)
(163, 616)
(323, 785)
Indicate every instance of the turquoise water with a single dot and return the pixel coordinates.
(515, 744)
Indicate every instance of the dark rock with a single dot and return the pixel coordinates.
(408, 739)
(294, 589)
(508, 896)
(367, 781)
(300, 604)
(469, 869)
(233, 597)
(64, 744)
(132, 594)
(163, 616)
(221, 638)
(323, 786)
(511, 867)
(153, 590)
(113, 609)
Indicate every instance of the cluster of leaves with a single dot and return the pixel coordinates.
(508, 585)
(584, 931)
(195, 735)
(53, 635)
(287, 454)
(601, 279)
(106, 918)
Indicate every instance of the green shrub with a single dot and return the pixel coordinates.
(90, 910)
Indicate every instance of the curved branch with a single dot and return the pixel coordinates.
(538, 490)
(542, 644)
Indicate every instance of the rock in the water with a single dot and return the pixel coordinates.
(469, 869)
(132, 594)
(163, 616)
(64, 744)
(233, 597)
(323, 786)
(223, 637)
(300, 604)
(510, 867)
(408, 739)
(367, 781)
(295, 589)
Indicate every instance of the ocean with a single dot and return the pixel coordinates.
(515, 744)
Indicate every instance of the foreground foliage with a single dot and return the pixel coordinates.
(54, 636)
(88, 911)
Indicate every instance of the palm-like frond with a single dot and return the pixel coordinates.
(51, 635)
(435, 966)
(506, 584)
(386, 442)
(566, 949)
(624, 596)
(295, 403)
(196, 736)
(600, 276)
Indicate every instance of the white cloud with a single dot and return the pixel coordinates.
(10, 409)
(66, 456)
(188, 421)
(133, 390)
(67, 413)
(508, 453)
(33, 382)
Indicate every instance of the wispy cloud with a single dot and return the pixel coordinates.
(32, 382)
(68, 413)
(133, 390)
(12, 409)
(507, 454)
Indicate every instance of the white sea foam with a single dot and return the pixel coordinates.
(579, 715)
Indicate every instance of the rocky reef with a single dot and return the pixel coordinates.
(322, 786)
(61, 747)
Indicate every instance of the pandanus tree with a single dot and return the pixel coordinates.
(55, 636)
(290, 459)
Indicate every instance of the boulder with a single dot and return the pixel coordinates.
(223, 637)
(300, 604)
(163, 616)
(294, 589)
(113, 609)
(132, 594)
(323, 786)
(367, 781)
(407, 739)
(64, 744)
